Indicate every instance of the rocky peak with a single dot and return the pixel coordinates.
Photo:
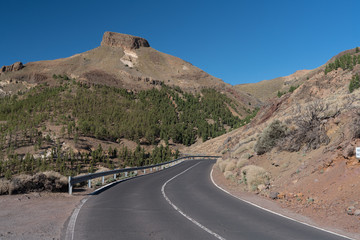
(124, 41)
(12, 68)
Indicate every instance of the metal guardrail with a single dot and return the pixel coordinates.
(88, 177)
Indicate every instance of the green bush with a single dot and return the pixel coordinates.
(269, 137)
(280, 93)
(293, 88)
(354, 83)
(345, 62)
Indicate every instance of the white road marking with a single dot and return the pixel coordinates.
(253, 204)
(69, 235)
(71, 226)
(181, 212)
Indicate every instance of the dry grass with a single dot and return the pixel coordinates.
(4, 186)
(230, 175)
(263, 90)
(253, 176)
(230, 165)
(47, 181)
(241, 163)
(222, 165)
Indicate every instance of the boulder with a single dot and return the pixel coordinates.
(273, 195)
(357, 212)
(348, 151)
(123, 41)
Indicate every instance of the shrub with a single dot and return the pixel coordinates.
(310, 129)
(230, 165)
(246, 156)
(241, 163)
(345, 62)
(222, 166)
(47, 181)
(253, 176)
(354, 83)
(293, 88)
(229, 175)
(269, 137)
(4, 186)
(280, 93)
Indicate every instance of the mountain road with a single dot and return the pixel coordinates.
(181, 203)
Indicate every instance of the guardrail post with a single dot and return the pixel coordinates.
(89, 183)
(102, 179)
(70, 186)
(144, 171)
(115, 176)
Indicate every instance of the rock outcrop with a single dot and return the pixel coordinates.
(124, 41)
(12, 68)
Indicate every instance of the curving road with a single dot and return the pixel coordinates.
(181, 203)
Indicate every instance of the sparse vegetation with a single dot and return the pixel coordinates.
(345, 62)
(280, 93)
(354, 83)
(231, 165)
(293, 88)
(270, 136)
(310, 130)
(48, 181)
(241, 163)
(105, 113)
(229, 175)
(253, 176)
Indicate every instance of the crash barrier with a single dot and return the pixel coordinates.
(126, 171)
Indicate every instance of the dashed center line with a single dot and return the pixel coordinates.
(181, 212)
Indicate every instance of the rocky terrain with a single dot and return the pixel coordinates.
(300, 148)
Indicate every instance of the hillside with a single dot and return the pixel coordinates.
(123, 61)
(300, 148)
(267, 89)
(121, 104)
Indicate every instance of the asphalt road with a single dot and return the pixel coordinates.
(181, 203)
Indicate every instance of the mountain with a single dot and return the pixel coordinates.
(121, 61)
(300, 148)
(120, 104)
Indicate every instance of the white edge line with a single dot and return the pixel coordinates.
(181, 212)
(268, 210)
(71, 226)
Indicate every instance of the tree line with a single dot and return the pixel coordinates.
(107, 113)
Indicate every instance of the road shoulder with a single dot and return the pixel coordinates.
(263, 202)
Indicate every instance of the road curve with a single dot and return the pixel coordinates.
(181, 203)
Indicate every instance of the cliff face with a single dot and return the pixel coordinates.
(123, 41)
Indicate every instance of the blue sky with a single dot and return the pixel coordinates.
(237, 41)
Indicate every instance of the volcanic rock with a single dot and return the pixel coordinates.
(124, 41)
(12, 68)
